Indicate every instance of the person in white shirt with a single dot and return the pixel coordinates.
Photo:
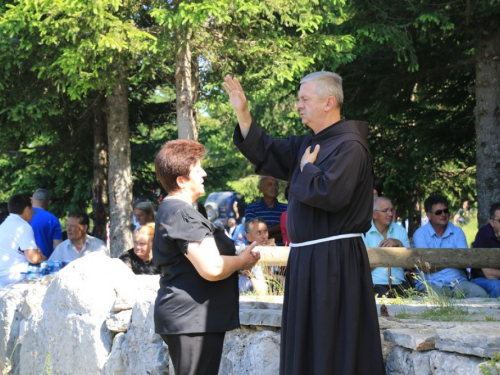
(79, 243)
(17, 241)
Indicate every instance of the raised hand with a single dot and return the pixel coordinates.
(238, 102)
(236, 93)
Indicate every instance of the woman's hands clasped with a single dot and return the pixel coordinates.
(249, 256)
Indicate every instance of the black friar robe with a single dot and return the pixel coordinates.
(329, 324)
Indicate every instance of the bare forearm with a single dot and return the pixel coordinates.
(225, 268)
(244, 121)
(34, 256)
(214, 267)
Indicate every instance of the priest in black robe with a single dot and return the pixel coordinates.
(329, 324)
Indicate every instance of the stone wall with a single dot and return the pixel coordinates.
(96, 317)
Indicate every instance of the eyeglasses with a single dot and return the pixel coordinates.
(439, 212)
(387, 211)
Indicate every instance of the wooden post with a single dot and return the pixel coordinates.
(404, 257)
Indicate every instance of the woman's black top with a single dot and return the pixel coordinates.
(186, 302)
(138, 266)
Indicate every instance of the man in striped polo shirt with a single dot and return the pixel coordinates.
(268, 207)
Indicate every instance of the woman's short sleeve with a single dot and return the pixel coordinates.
(187, 226)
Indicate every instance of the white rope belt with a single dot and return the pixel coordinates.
(332, 238)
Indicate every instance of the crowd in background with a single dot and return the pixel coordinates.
(263, 221)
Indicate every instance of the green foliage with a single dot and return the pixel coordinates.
(491, 319)
(56, 51)
(247, 187)
(413, 80)
(403, 314)
(78, 45)
(59, 161)
(408, 69)
(446, 313)
(492, 366)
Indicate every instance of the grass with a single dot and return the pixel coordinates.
(447, 313)
(443, 307)
(403, 314)
(470, 230)
(491, 319)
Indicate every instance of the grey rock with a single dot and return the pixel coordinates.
(11, 301)
(479, 339)
(414, 339)
(454, 364)
(119, 322)
(250, 352)
(140, 350)
(78, 301)
(68, 324)
(257, 317)
(403, 361)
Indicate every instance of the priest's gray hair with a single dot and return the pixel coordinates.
(326, 84)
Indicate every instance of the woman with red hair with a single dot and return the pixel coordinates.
(198, 297)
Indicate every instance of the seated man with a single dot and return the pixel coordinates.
(385, 233)
(489, 237)
(79, 243)
(268, 207)
(440, 233)
(253, 280)
(17, 241)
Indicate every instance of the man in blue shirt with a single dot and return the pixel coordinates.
(385, 233)
(440, 233)
(268, 207)
(45, 225)
(489, 237)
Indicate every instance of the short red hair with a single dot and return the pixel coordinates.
(175, 159)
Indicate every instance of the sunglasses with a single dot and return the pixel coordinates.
(439, 212)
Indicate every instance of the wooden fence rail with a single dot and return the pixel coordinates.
(404, 257)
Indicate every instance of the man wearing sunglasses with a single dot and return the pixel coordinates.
(489, 237)
(440, 233)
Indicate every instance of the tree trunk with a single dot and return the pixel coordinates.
(100, 182)
(487, 114)
(120, 171)
(187, 125)
(195, 86)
